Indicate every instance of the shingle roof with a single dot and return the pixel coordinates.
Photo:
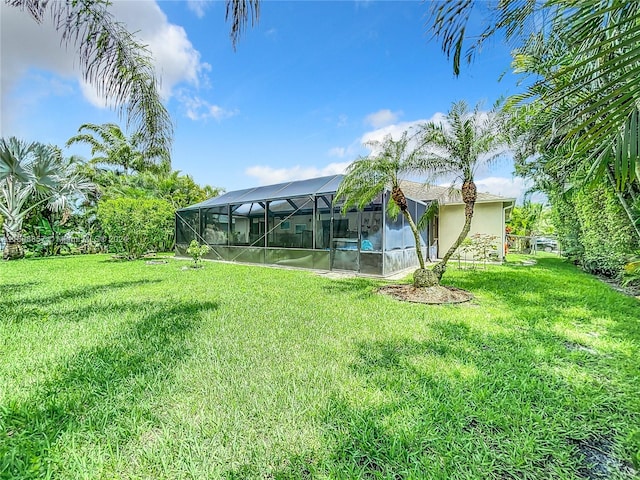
(444, 195)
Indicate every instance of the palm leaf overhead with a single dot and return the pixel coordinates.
(240, 13)
(591, 85)
(113, 61)
(117, 65)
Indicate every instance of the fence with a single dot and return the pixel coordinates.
(533, 244)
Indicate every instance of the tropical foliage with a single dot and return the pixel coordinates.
(110, 146)
(575, 129)
(33, 176)
(118, 66)
(367, 177)
(583, 58)
(529, 219)
(454, 149)
(174, 187)
(137, 226)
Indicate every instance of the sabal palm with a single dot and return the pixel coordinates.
(117, 64)
(367, 177)
(32, 176)
(592, 87)
(454, 149)
(110, 146)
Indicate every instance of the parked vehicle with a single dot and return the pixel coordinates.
(546, 244)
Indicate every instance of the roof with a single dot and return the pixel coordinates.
(445, 195)
(324, 185)
(312, 186)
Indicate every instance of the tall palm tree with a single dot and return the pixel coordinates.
(110, 146)
(454, 149)
(592, 89)
(33, 175)
(367, 177)
(117, 64)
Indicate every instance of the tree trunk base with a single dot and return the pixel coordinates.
(423, 277)
(12, 251)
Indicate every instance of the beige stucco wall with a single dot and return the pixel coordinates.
(487, 219)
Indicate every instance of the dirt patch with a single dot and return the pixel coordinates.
(438, 294)
(599, 462)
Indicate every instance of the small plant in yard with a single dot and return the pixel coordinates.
(197, 251)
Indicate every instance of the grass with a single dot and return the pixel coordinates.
(128, 370)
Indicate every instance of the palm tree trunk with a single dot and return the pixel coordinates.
(397, 195)
(469, 196)
(13, 249)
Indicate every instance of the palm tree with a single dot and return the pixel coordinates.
(114, 148)
(367, 177)
(454, 149)
(33, 175)
(117, 64)
(591, 87)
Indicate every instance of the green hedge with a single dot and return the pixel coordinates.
(594, 229)
(136, 226)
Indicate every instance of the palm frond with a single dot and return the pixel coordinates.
(113, 61)
(241, 12)
(428, 215)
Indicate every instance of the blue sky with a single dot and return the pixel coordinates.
(303, 90)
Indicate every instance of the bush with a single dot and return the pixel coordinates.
(197, 251)
(607, 236)
(137, 226)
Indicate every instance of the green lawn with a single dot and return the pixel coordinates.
(127, 370)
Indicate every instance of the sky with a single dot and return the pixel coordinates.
(302, 93)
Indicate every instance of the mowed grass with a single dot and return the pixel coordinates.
(123, 370)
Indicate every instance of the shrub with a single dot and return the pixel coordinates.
(607, 236)
(197, 251)
(136, 226)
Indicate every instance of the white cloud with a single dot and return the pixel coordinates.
(397, 129)
(27, 45)
(198, 7)
(513, 187)
(198, 109)
(268, 175)
(382, 118)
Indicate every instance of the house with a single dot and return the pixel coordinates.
(297, 224)
(489, 215)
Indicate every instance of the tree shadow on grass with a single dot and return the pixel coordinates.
(28, 308)
(553, 289)
(463, 404)
(99, 393)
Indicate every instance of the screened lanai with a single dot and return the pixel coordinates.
(297, 224)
